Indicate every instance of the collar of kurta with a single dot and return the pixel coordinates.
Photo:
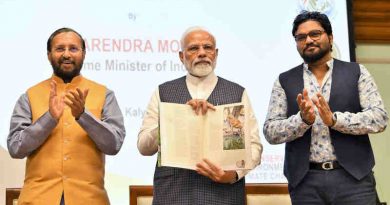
(208, 80)
(75, 81)
(201, 88)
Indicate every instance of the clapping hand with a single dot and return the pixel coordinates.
(306, 107)
(76, 101)
(56, 103)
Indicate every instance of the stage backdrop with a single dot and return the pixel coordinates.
(132, 47)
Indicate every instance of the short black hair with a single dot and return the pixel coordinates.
(63, 30)
(312, 16)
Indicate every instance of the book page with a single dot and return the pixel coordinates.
(227, 137)
(180, 135)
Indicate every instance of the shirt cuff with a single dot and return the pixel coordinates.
(302, 124)
(86, 118)
(240, 175)
(50, 121)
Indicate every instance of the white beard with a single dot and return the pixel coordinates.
(201, 70)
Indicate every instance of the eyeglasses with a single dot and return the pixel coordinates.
(72, 49)
(314, 35)
(208, 48)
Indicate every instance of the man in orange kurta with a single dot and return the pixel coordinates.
(64, 126)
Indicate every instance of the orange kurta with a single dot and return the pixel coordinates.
(68, 161)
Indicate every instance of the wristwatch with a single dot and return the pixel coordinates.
(334, 119)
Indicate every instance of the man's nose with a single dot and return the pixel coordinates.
(308, 40)
(201, 52)
(66, 53)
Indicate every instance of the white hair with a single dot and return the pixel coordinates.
(192, 29)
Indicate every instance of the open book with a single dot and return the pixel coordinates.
(220, 136)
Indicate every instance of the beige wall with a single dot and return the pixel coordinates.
(377, 60)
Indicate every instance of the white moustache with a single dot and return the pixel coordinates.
(202, 61)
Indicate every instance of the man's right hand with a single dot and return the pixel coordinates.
(215, 172)
(306, 107)
(56, 103)
(200, 105)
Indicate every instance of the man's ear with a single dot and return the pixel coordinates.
(48, 56)
(330, 37)
(181, 56)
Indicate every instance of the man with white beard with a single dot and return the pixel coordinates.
(201, 89)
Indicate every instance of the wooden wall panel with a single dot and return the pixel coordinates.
(371, 21)
(252, 189)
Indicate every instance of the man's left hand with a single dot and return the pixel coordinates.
(324, 110)
(76, 101)
(214, 172)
